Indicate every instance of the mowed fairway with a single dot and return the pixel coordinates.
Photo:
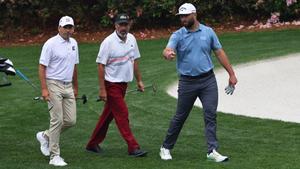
(251, 143)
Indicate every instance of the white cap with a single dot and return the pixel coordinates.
(186, 8)
(66, 20)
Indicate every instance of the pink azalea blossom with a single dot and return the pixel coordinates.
(290, 2)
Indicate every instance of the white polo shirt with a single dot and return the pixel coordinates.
(118, 57)
(60, 57)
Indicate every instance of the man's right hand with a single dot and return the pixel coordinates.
(103, 95)
(169, 54)
(45, 94)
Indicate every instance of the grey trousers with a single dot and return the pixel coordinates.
(206, 89)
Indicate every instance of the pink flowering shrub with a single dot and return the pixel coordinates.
(290, 2)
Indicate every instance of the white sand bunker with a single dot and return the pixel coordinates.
(267, 89)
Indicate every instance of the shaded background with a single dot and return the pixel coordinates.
(95, 14)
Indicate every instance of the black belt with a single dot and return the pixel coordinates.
(122, 83)
(199, 76)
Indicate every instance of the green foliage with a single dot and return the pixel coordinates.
(98, 13)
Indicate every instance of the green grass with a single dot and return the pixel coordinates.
(251, 143)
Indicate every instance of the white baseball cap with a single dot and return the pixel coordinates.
(66, 20)
(186, 8)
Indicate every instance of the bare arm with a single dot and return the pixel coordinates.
(138, 76)
(42, 76)
(101, 78)
(75, 81)
(223, 59)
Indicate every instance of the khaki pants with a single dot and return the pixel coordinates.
(63, 113)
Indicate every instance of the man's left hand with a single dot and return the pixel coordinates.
(229, 90)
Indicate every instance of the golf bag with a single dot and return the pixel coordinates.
(6, 68)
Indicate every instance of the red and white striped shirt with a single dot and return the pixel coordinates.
(118, 57)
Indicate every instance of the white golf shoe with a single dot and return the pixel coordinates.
(165, 154)
(57, 161)
(216, 157)
(44, 143)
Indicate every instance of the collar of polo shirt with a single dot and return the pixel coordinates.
(199, 29)
(62, 40)
(119, 39)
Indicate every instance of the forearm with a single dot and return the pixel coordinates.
(224, 61)
(42, 77)
(137, 73)
(74, 80)
(101, 76)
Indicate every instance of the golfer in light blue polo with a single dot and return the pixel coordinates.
(193, 45)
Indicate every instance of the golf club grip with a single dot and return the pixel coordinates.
(137, 90)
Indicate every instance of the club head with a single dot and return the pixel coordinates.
(38, 98)
(84, 99)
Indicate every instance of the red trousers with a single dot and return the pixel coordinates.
(115, 108)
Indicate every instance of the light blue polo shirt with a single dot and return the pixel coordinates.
(194, 49)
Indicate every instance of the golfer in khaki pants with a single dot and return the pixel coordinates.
(58, 76)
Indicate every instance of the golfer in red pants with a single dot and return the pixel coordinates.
(117, 62)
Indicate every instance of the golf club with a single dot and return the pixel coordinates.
(83, 98)
(152, 86)
(42, 99)
(25, 78)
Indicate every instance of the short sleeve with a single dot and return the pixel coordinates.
(215, 43)
(173, 41)
(46, 54)
(103, 54)
(136, 50)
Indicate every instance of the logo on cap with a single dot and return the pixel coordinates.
(123, 17)
(182, 8)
